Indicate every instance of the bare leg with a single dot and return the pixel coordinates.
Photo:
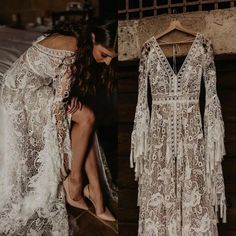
(91, 168)
(81, 135)
(81, 131)
(94, 190)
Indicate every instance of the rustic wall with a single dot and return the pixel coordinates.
(30, 9)
(217, 25)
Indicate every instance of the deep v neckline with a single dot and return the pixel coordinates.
(164, 59)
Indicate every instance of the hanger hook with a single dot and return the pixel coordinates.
(174, 11)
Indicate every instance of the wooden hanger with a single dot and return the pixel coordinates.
(176, 25)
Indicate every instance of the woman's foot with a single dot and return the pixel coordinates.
(73, 195)
(96, 198)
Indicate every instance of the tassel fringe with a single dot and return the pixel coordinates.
(215, 150)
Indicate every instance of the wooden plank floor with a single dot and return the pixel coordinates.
(127, 97)
(83, 223)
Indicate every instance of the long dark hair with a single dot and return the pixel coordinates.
(87, 71)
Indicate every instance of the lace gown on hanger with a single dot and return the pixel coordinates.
(178, 166)
(35, 137)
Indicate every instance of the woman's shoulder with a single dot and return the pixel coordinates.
(55, 46)
(59, 42)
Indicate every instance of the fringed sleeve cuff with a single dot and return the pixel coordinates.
(139, 147)
(214, 152)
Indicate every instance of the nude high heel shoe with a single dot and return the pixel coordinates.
(106, 215)
(78, 203)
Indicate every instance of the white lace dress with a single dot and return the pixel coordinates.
(177, 162)
(34, 138)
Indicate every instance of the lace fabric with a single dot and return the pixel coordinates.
(34, 139)
(177, 165)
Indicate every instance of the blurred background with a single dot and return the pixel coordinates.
(30, 14)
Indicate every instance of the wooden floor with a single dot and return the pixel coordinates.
(84, 223)
(128, 80)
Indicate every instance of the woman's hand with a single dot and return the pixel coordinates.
(74, 105)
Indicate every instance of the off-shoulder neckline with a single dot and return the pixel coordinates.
(54, 51)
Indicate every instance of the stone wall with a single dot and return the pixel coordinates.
(218, 25)
(30, 9)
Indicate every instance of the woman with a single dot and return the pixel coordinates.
(48, 135)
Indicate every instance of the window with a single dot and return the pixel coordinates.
(135, 9)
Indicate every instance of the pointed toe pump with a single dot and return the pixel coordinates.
(106, 215)
(75, 203)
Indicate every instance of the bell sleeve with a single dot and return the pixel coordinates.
(139, 134)
(62, 83)
(214, 136)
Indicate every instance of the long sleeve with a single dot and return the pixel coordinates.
(62, 84)
(214, 136)
(139, 134)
